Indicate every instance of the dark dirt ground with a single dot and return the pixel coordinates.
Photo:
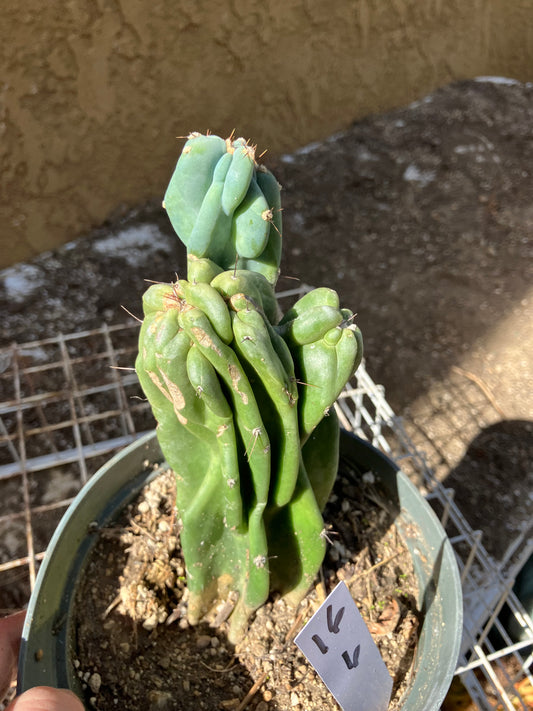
(422, 219)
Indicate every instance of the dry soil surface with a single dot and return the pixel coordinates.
(422, 219)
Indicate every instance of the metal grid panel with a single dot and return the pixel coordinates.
(69, 403)
(493, 672)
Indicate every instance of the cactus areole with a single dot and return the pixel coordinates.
(242, 395)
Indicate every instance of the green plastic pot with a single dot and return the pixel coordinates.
(46, 648)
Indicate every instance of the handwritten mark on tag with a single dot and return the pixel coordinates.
(337, 643)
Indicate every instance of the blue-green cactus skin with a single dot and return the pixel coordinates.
(242, 395)
(225, 207)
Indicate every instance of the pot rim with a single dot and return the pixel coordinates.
(47, 635)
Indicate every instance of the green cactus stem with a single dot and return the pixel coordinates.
(242, 395)
(225, 207)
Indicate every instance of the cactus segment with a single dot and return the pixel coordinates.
(238, 178)
(250, 225)
(235, 282)
(323, 370)
(157, 329)
(326, 348)
(255, 585)
(254, 285)
(267, 263)
(321, 462)
(254, 347)
(311, 325)
(190, 181)
(218, 418)
(157, 297)
(206, 384)
(198, 437)
(247, 415)
(221, 169)
(211, 224)
(349, 355)
(285, 357)
(295, 542)
(201, 270)
(271, 190)
(307, 526)
(207, 299)
(321, 296)
(316, 370)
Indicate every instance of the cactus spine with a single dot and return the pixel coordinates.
(242, 396)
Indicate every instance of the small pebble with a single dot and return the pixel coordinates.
(203, 641)
(95, 682)
(159, 699)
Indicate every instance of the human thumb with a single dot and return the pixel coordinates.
(44, 698)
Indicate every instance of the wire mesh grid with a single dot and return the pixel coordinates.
(495, 668)
(69, 403)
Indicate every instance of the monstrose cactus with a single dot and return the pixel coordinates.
(242, 395)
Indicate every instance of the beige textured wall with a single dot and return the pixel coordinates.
(93, 93)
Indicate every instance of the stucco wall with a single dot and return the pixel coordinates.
(95, 92)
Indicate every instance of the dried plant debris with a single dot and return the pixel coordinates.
(144, 652)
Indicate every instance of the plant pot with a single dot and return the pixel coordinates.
(46, 648)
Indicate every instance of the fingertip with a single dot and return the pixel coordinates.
(10, 631)
(44, 698)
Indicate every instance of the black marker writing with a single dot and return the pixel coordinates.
(320, 644)
(354, 661)
(333, 624)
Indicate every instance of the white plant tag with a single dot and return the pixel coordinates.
(336, 641)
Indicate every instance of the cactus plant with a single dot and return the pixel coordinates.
(242, 395)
